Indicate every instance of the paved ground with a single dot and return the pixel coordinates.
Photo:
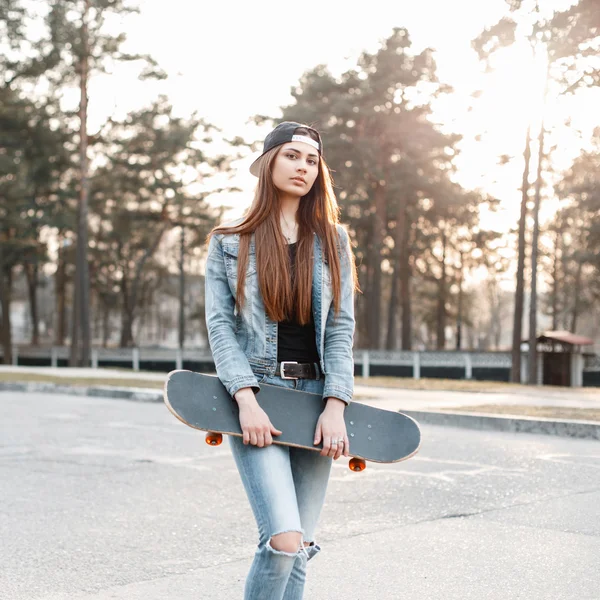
(109, 499)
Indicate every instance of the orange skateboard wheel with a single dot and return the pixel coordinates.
(214, 439)
(357, 464)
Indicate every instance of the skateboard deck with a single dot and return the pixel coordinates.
(202, 402)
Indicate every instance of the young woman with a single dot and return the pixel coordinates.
(280, 310)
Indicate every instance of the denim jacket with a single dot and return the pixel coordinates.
(244, 346)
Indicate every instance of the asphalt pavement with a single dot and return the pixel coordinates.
(118, 500)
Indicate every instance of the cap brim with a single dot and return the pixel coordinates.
(255, 166)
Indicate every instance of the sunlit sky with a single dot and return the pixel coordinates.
(231, 60)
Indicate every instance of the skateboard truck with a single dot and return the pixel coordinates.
(216, 439)
(357, 464)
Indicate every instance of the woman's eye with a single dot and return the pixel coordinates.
(311, 161)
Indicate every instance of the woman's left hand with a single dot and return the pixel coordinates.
(331, 427)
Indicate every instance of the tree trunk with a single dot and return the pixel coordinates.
(390, 341)
(515, 372)
(555, 278)
(60, 286)
(5, 300)
(31, 274)
(182, 289)
(493, 329)
(363, 303)
(127, 329)
(533, 360)
(532, 371)
(405, 277)
(80, 344)
(496, 315)
(441, 308)
(371, 297)
(498, 327)
(577, 302)
(460, 303)
(126, 315)
(105, 325)
(374, 314)
(395, 283)
(75, 351)
(498, 337)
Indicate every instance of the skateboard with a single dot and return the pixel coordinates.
(202, 402)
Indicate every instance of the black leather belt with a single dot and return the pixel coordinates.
(288, 369)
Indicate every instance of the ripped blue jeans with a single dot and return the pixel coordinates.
(286, 488)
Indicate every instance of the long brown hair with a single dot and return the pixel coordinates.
(318, 213)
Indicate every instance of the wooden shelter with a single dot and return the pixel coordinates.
(560, 356)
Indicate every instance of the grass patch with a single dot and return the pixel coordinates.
(546, 412)
(463, 385)
(80, 381)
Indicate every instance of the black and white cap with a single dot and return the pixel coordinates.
(283, 133)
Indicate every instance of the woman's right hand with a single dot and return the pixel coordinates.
(256, 426)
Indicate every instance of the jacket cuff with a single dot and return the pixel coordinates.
(238, 383)
(336, 391)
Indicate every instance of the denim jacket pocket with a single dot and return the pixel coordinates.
(230, 254)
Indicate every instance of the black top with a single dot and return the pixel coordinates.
(296, 342)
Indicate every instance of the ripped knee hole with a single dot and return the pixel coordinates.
(289, 542)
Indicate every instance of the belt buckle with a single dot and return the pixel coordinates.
(282, 367)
